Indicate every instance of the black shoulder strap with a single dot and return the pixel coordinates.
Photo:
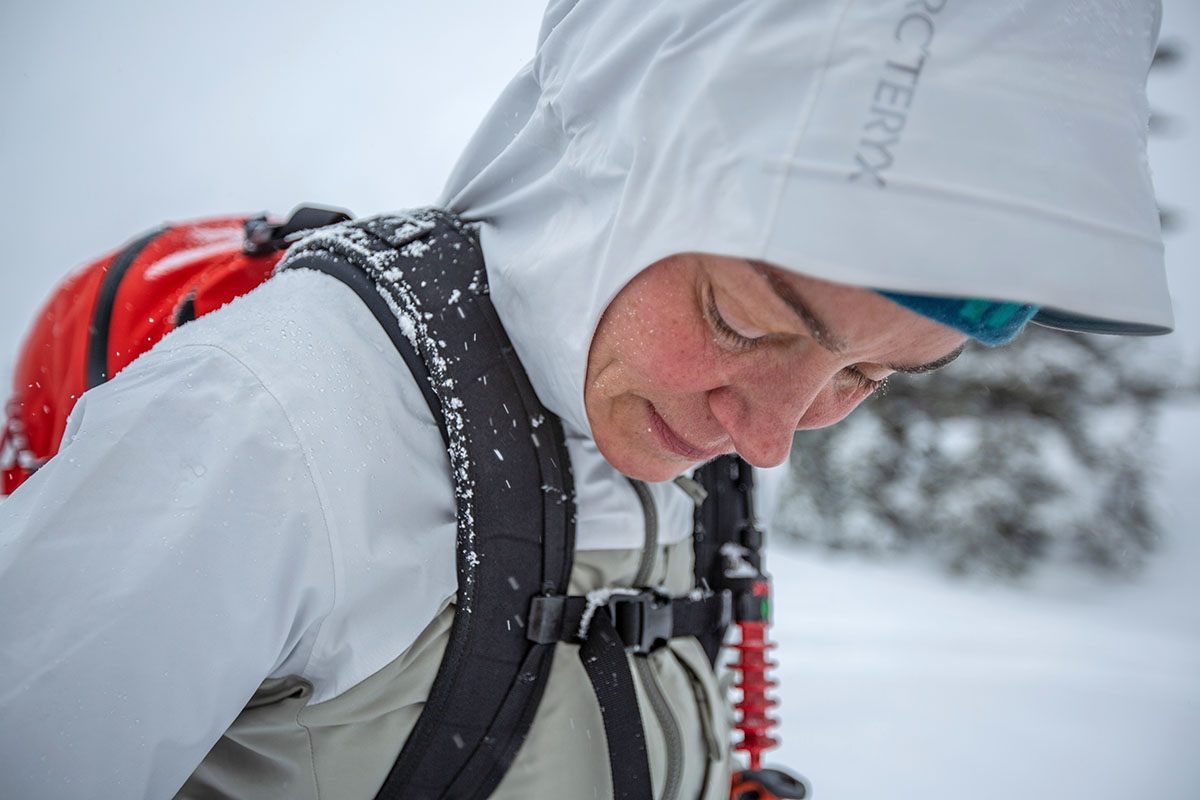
(422, 275)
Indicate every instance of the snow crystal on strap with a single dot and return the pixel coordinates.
(376, 244)
(595, 599)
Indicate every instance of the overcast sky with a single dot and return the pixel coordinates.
(120, 115)
(123, 114)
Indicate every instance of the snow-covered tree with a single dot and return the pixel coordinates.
(1040, 449)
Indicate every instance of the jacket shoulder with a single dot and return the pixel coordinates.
(377, 460)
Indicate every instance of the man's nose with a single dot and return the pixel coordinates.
(761, 414)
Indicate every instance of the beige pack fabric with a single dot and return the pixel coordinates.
(282, 748)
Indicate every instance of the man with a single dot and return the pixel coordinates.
(706, 225)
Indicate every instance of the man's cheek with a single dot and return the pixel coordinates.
(828, 409)
(673, 370)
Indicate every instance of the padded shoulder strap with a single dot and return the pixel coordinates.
(423, 277)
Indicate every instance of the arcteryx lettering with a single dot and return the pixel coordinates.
(895, 90)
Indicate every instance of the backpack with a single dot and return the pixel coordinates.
(422, 276)
(112, 310)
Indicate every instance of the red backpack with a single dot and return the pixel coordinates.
(114, 309)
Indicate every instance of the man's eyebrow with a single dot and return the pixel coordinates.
(819, 330)
(826, 338)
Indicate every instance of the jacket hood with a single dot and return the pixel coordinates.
(939, 147)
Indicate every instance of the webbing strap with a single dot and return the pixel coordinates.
(603, 656)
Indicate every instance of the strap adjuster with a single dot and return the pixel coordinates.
(264, 236)
(644, 621)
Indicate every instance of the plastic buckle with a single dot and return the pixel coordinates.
(643, 621)
(260, 236)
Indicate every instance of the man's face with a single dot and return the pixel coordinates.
(701, 355)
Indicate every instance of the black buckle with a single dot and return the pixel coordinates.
(264, 236)
(644, 621)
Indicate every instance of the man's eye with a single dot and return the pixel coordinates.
(862, 382)
(725, 332)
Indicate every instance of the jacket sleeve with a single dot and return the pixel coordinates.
(167, 560)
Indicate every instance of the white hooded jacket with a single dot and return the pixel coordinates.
(993, 150)
(265, 494)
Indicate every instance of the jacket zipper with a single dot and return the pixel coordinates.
(658, 701)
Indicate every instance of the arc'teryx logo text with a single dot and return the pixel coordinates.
(895, 90)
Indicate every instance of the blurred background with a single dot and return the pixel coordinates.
(987, 579)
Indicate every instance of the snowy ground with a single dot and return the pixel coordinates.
(900, 683)
(896, 681)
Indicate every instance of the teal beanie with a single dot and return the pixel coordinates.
(988, 321)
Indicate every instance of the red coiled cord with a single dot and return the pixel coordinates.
(755, 724)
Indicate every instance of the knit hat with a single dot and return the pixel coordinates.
(988, 321)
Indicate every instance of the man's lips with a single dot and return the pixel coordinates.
(674, 442)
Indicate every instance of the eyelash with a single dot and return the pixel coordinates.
(725, 331)
(862, 382)
(740, 343)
